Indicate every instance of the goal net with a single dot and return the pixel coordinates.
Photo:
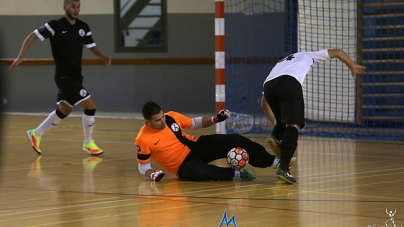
(258, 33)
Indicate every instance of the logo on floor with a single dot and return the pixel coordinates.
(227, 222)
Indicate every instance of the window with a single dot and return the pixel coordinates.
(140, 26)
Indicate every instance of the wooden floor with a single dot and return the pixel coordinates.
(341, 182)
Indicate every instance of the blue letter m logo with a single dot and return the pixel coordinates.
(232, 220)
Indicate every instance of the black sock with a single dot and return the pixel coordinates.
(288, 146)
(278, 131)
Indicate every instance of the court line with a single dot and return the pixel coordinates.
(171, 199)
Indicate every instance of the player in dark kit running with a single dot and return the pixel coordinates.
(67, 36)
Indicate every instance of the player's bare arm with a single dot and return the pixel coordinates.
(221, 116)
(342, 56)
(358, 69)
(97, 51)
(204, 122)
(25, 46)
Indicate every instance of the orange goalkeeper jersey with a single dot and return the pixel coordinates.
(168, 147)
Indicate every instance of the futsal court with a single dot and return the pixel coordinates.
(341, 182)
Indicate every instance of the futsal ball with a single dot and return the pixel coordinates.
(237, 158)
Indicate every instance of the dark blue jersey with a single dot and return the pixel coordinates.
(67, 42)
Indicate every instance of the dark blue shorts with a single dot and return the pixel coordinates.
(285, 97)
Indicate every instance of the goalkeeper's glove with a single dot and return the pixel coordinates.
(157, 176)
(221, 116)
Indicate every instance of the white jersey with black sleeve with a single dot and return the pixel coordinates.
(297, 65)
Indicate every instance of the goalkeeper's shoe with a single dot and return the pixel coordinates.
(92, 148)
(34, 140)
(275, 145)
(278, 166)
(286, 176)
(247, 174)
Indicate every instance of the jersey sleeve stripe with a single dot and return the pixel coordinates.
(90, 45)
(50, 29)
(89, 33)
(143, 157)
(39, 35)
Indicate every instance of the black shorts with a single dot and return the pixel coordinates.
(71, 91)
(285, 97)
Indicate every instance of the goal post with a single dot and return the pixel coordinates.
(220, 96)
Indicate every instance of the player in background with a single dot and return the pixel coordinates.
(283, 92)
(162, 139)
(67, 36)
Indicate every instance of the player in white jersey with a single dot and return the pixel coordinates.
(284, 94)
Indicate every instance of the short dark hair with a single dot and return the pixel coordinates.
(149, 109)
(65, 2)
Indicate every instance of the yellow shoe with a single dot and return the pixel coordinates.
(35, 140)
(92, 148)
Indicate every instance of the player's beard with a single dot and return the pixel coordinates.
(162, 126)
(71, 16)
